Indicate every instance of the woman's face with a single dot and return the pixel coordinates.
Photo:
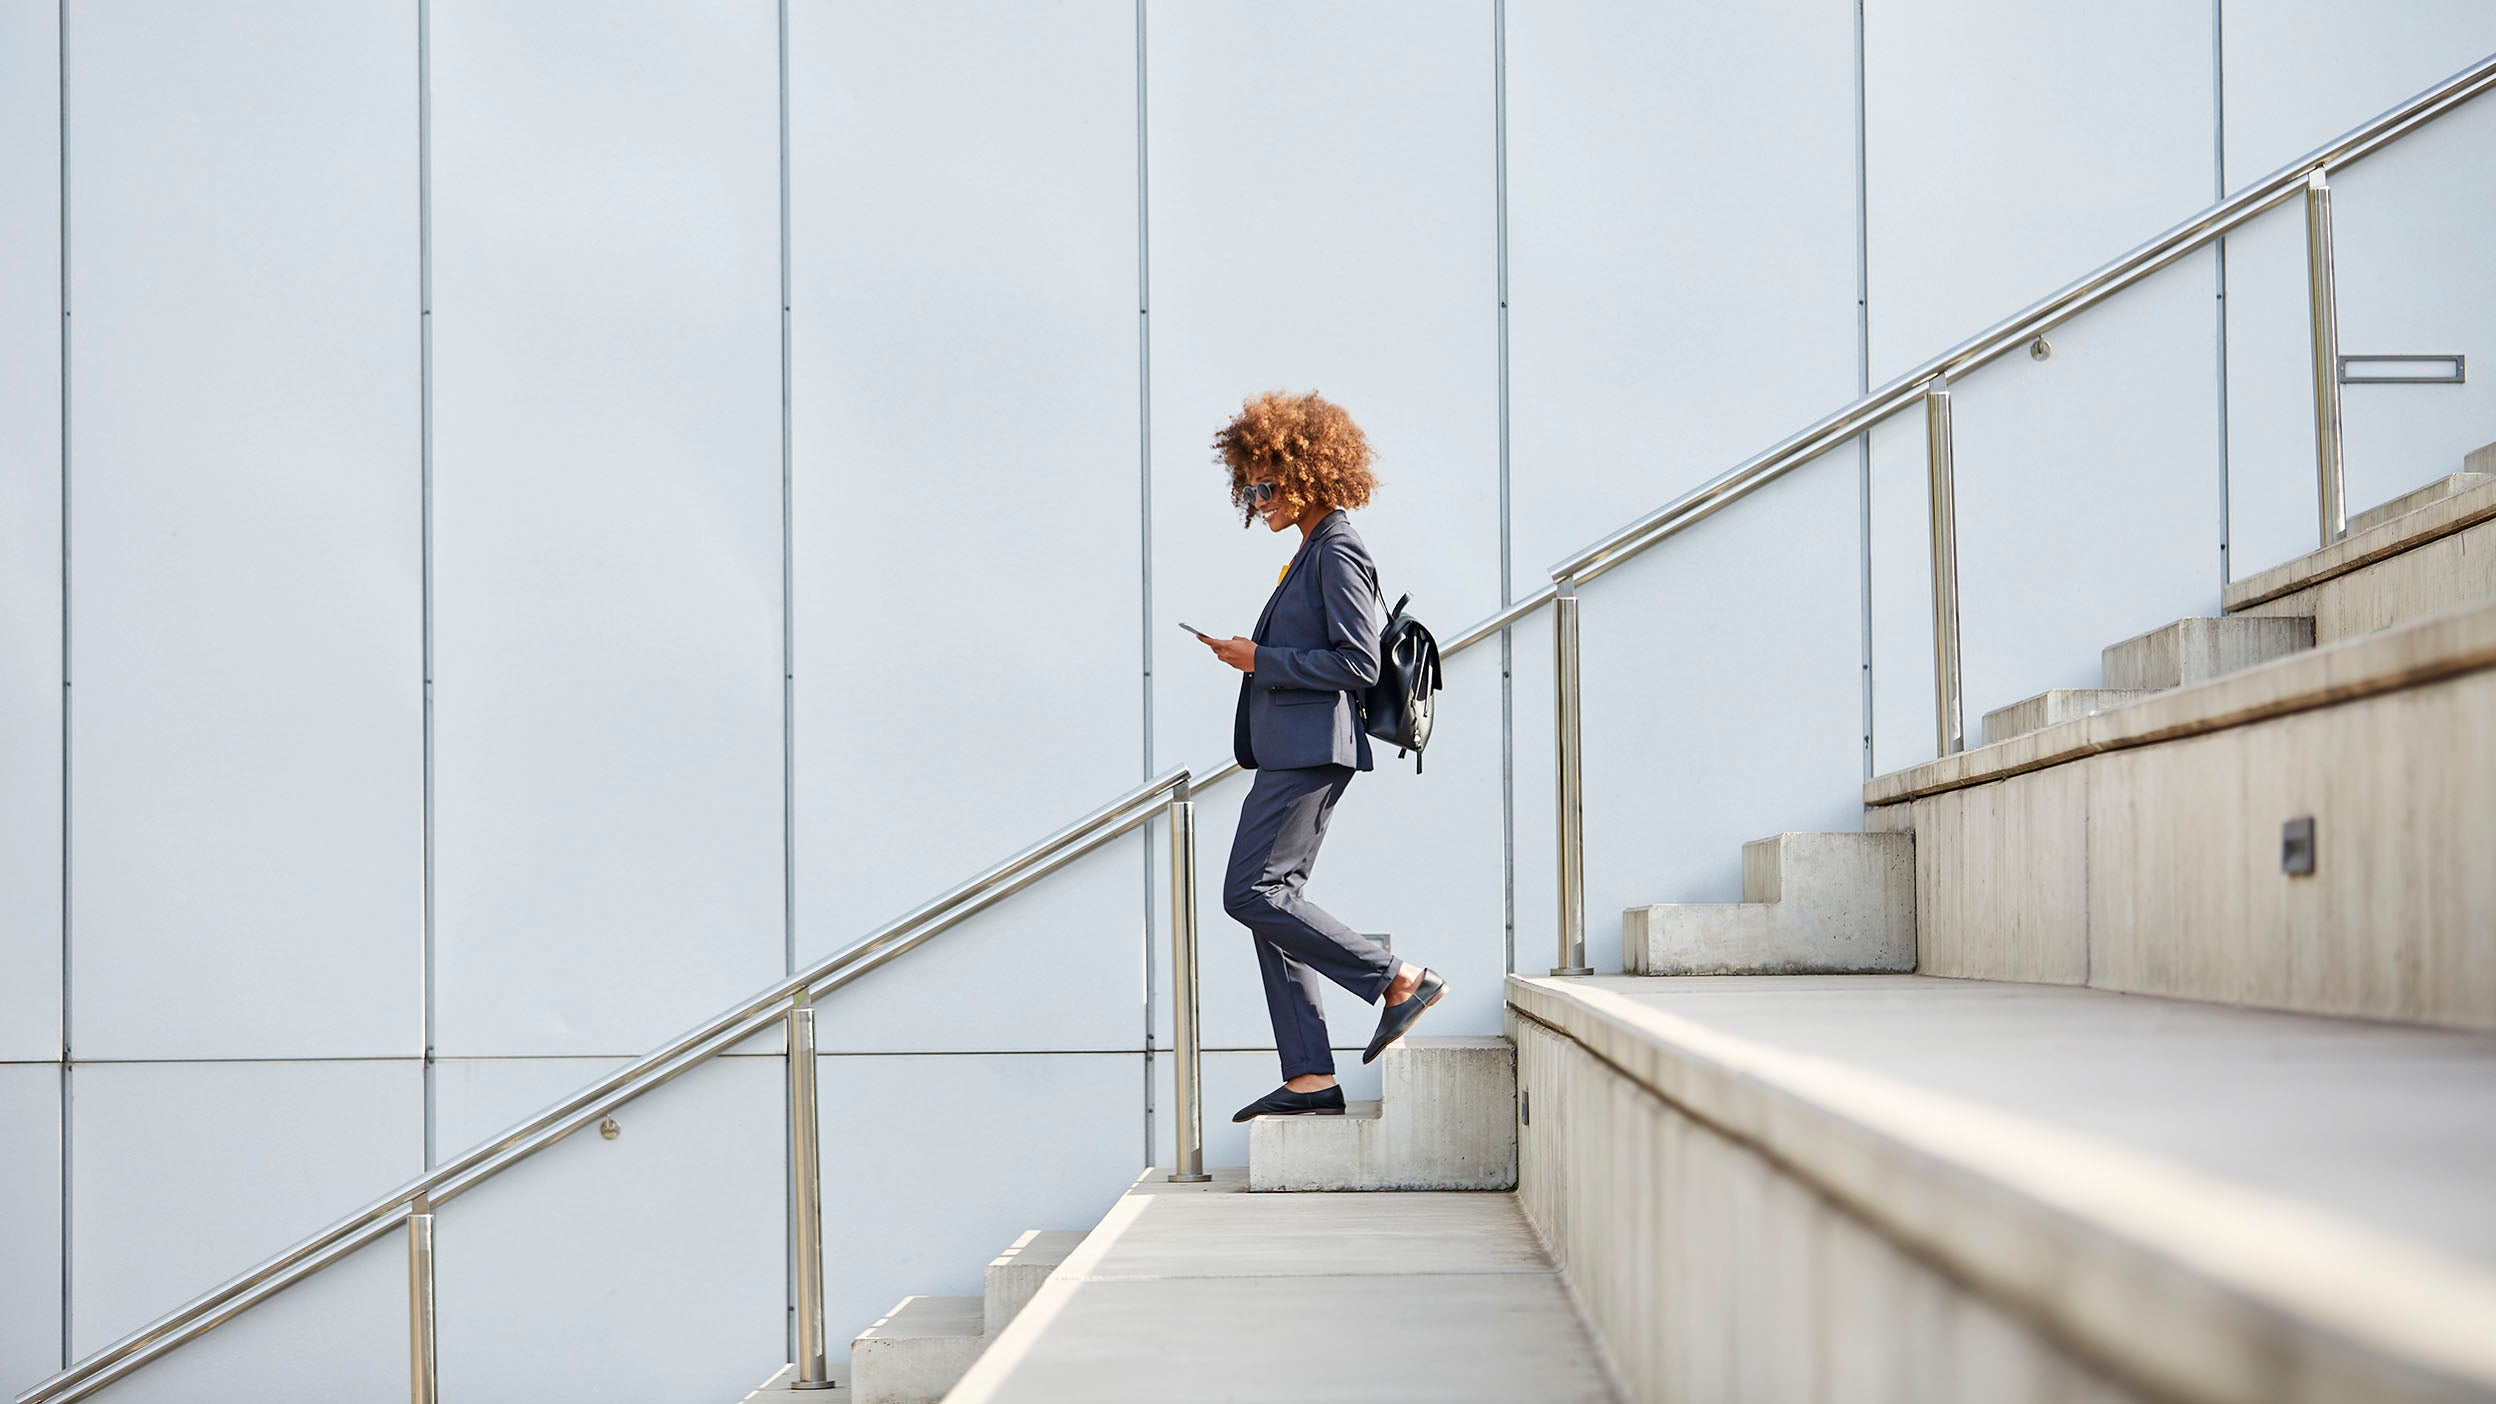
(1276, 512)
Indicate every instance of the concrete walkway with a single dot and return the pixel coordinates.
(2383, 1125)
(1206, 1292)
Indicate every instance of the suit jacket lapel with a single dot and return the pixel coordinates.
(1325, 525)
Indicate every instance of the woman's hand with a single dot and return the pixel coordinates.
(1239, 653)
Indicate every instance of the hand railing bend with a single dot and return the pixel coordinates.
(412, 1205)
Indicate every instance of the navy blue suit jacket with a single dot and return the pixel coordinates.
(1317, 651)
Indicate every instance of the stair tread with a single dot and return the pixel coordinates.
(2416, 499)
(921, 1318)
(2386, 1126)
(2406, 532)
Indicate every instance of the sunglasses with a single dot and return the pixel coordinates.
(1260, 493)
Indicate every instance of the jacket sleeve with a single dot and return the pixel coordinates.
(1349, 592)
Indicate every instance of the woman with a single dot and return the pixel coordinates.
(1300, 461)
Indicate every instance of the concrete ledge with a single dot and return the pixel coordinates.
(2363, 548)
(1013, 1275)
(1446, 1120)
(2190, 652)
(2418, 499)
(2050, 708)
(1811, 904)
(914, 1355)
(2182, 1286)
(2462, 641)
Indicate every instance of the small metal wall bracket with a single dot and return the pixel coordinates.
(2404, 370)
(2296, 846)
(2040, 350)
(609, 1129)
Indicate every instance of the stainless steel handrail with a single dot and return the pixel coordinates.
(678, 1056)
(415, 1200)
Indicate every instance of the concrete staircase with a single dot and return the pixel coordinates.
(1811, 904)
(1445, 1120)
(917, 1351)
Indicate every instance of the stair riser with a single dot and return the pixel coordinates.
(2428, 579)
(2193, 651)
(2422, 498)
(1819, 904)
(2157, 869)
(2050, 709)
(1446, 1120)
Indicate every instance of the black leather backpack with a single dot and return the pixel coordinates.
(1396, 709)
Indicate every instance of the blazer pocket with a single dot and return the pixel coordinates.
(1302, 696)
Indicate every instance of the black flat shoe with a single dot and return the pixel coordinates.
(1282, 1101)
(1395, 1019)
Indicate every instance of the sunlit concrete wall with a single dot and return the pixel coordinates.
(495, 567)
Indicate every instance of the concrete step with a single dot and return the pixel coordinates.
(916, 1353)
(2189, 652)
(2051, 708)
(1203, 1292)
(1016, 1273)
(2309, 834)
(2421, 498)
(1962, 1192)
(2434, 557)
(1827, 903)
(1446, 1119)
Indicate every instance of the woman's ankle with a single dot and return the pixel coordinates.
(1309, 1082)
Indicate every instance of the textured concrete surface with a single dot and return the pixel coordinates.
(1013, 1275)
(2425, 577)
(914, 1355)
(2189, 652)
(1208, 1292)
(1952, 1190)
(1810, 903)
(1446, 1119)
(2418, 499)
(2408, 532)
(2049, 708)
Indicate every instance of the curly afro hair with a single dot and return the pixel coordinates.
(1319, 456)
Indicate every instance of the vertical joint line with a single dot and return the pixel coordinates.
(788, 581)
(60, 35)
(1144, 535)
(1507, 545)
(424, 546)
(2218, 183)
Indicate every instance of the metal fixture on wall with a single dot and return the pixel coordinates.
(2440, 369)
(1949, 719)
(2040, 350)
(2323, 318)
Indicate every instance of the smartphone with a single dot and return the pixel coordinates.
(1198, 632)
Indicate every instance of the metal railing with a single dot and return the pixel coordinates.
(413, 1204)
(789, 1003)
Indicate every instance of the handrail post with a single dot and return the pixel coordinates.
(423, 1385)
(1572, 785)
(2323, 315)
(1187, 1054)
(806, 1197)
(1949, 715)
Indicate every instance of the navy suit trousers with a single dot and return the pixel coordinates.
(1281, 825)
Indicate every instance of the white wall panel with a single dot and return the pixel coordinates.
(30, 536)
(965, 451)
(2271, 508)
(932, 1164)
(340, 1335)
(606, 520)
(1059, 965)
(2010, 149)
(2088, 490)
(2088, 508)
(650, 1267)
(183, 1174)
(247, 748)
(2415, 233)
(1323, 218)
(474, 1098)
(30, 1223)
(2300, 72)
(1723, 697)
(1681, 250)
